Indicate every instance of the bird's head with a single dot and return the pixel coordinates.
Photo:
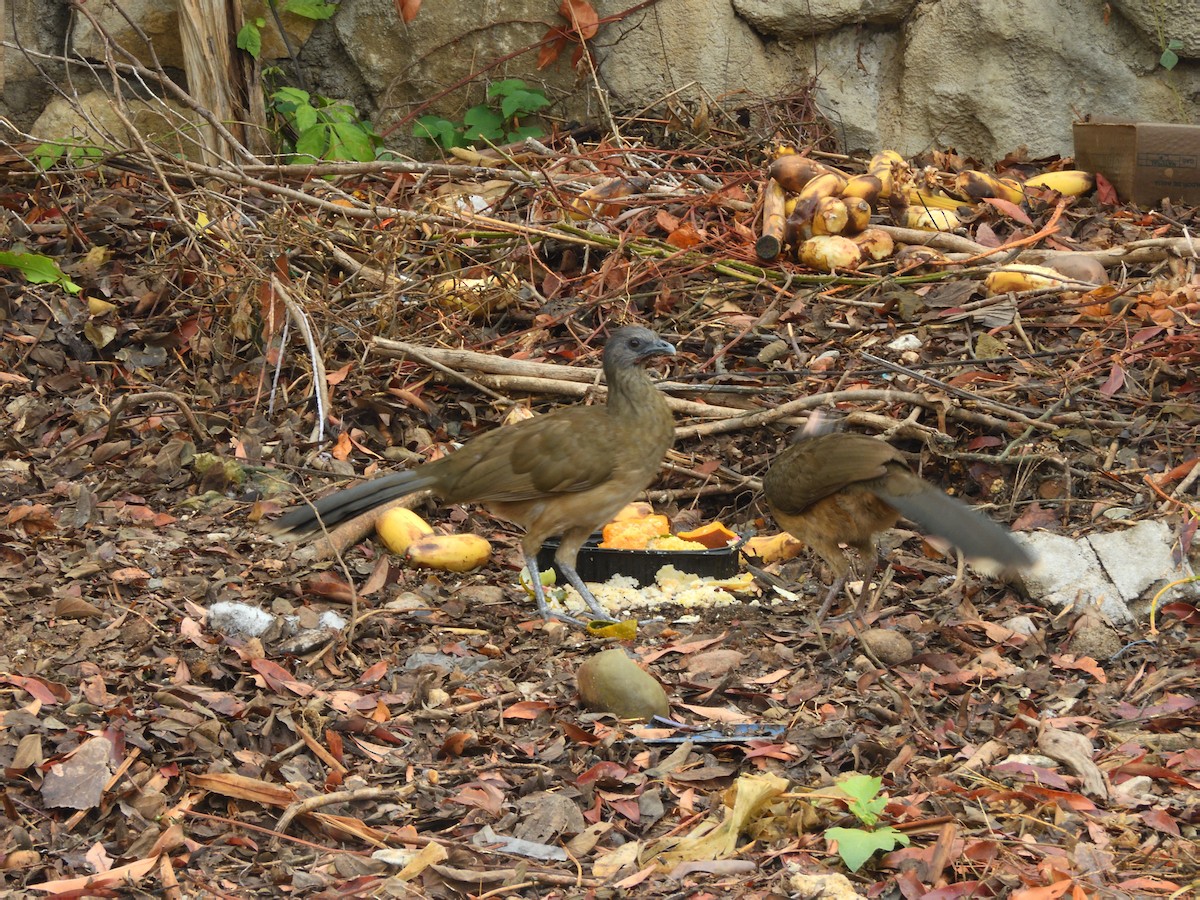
(633, 345)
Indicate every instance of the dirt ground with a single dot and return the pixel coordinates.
(435, 746)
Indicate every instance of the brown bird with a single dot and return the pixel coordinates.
(839, 488)
(563, 474)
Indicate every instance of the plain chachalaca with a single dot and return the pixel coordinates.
(839, 488)
(563, 474)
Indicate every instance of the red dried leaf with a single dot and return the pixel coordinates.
(1116, 381)
(329, 586)
(1106, 194)
(526, 709)
(581, 15)
(375, 672)
(603, 772)
(407, 9)
(1010, 209)
(552, 47)
(279, 679)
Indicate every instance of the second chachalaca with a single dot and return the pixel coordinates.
(840, 488)
(562, 475)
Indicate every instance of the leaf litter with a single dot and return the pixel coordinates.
(428, 740)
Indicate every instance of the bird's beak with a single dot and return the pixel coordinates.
(658, 348)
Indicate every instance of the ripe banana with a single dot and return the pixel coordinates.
(868, 187)
(1021, 278)
(794, 172)
(885, 166)
(826, 185)
(927, 200)
(450, 552)
(1069, 183)
(930, 219)
(858, 214)
(874, 244)
(827, 252)
(831, 216)
(980, 185)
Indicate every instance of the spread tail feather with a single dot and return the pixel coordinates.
(342, 506)
(977, 536)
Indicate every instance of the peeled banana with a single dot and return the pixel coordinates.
(827, 252)
(830, 217)
(884, 166)
(874, 244)
(868, 187)
(930, 219)
(858, 214)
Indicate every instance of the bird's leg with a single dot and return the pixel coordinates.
(539, 593)
(827, 603)
(865, 594)
(576, 582)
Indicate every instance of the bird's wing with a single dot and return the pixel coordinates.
(817, 467)
(569, 450)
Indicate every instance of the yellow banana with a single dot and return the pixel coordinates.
(1069, 183)
(980, 185)
(399, 528)
(1021, 278)
(450, 552)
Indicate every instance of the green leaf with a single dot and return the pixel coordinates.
(305, 117)
(519, 134)
(350, 142)
(84, 153)
(249, 38)
(520, 103)
(483, 123)
(313, 142)
(863, 791)
(436, 129)
(1169, 59)
(46, 155)
(505, 87)
(342, 113)
(38, 269)
(855, 846)
(310, 9)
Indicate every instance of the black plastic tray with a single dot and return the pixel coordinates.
(598, 564)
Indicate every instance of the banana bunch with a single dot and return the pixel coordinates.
(826, 214)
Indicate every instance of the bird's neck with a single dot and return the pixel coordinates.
(632, 396)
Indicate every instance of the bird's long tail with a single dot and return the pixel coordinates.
(977, 536)
(342, 506)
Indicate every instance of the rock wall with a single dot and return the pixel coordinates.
(981, 76)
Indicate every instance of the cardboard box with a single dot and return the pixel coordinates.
(1145, 161)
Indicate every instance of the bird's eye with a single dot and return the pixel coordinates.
(635, 343)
